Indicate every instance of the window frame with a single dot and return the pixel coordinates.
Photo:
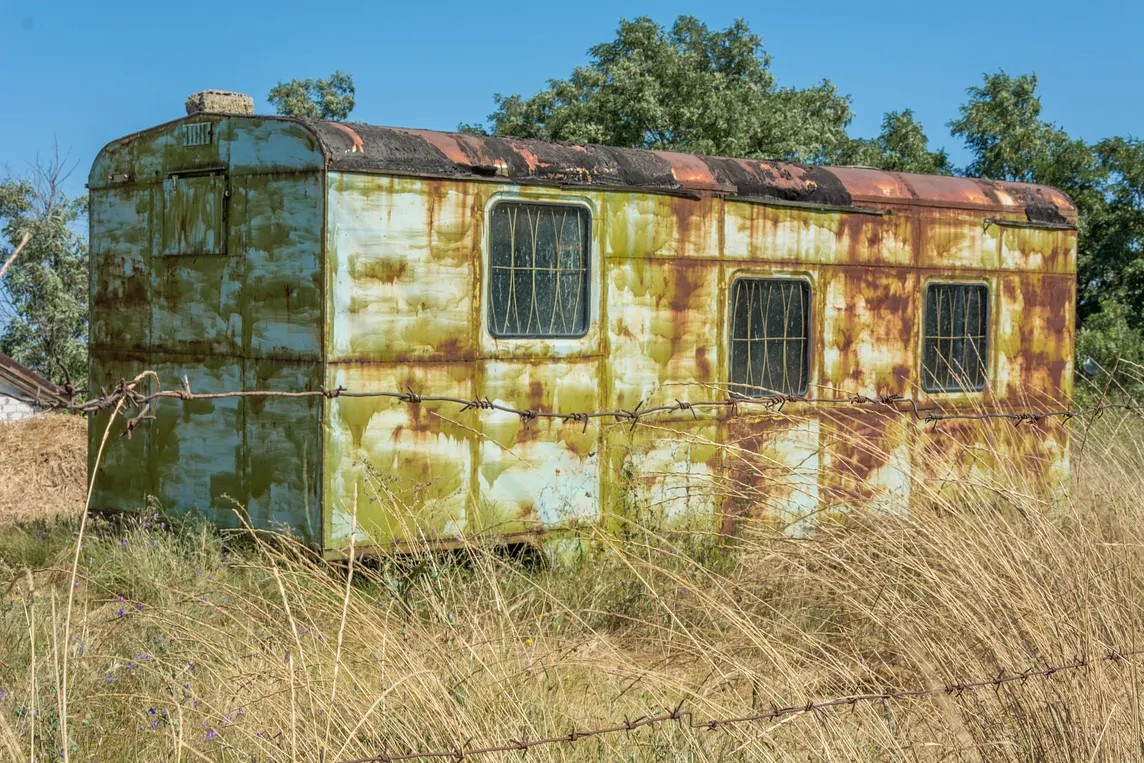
(590, 283)
(988, 335)
(170, 185)
(808, 321)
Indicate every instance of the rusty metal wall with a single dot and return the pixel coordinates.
(247, 318)
(405, 303)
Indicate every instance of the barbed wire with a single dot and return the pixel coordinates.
(930, 414)
(685, 719)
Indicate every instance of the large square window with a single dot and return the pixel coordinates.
(955, 347)
(538, 270)
(770, 337)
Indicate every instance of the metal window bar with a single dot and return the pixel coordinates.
(770, 337)
(538, 270)
(955, 345)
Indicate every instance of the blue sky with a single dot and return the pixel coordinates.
(84, 73)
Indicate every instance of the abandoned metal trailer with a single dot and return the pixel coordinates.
(247, 252)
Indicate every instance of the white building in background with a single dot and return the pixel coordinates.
(23, 392)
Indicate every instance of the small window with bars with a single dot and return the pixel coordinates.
(956, 341)
(538, 270)
(770, 337)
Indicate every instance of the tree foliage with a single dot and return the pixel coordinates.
(1009, 140)
(1002, 127)
(685, 89)
(45, 290)
(902, 146)
(1112, 260)
(330, 98)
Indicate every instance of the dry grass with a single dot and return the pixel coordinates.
(44, 462)
(195, 646)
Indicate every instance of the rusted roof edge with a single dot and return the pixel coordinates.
(1005, 223)
(811, 206)
(35, 387)
(361, 148)
(867, 204)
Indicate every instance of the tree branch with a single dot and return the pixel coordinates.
(15, 254)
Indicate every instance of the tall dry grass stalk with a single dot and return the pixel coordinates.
(193, 645)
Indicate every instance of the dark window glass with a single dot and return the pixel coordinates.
(956, 344)
(538, 270)
(770, 329)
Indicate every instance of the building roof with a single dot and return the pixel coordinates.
(34, 388)
(355, 147)
(365, 148)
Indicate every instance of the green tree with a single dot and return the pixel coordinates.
(1112, 265)
(902, 146)
(684, 89)
(1002, 127)
(45, 290)
(1009, 140)
(330, 98)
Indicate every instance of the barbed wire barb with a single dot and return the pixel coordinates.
(685, 719)
(732, 404)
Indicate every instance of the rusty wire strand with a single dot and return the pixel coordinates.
(145, 404)
(895, 403)
(685, 719)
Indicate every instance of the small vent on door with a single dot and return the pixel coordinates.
(197, 134)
